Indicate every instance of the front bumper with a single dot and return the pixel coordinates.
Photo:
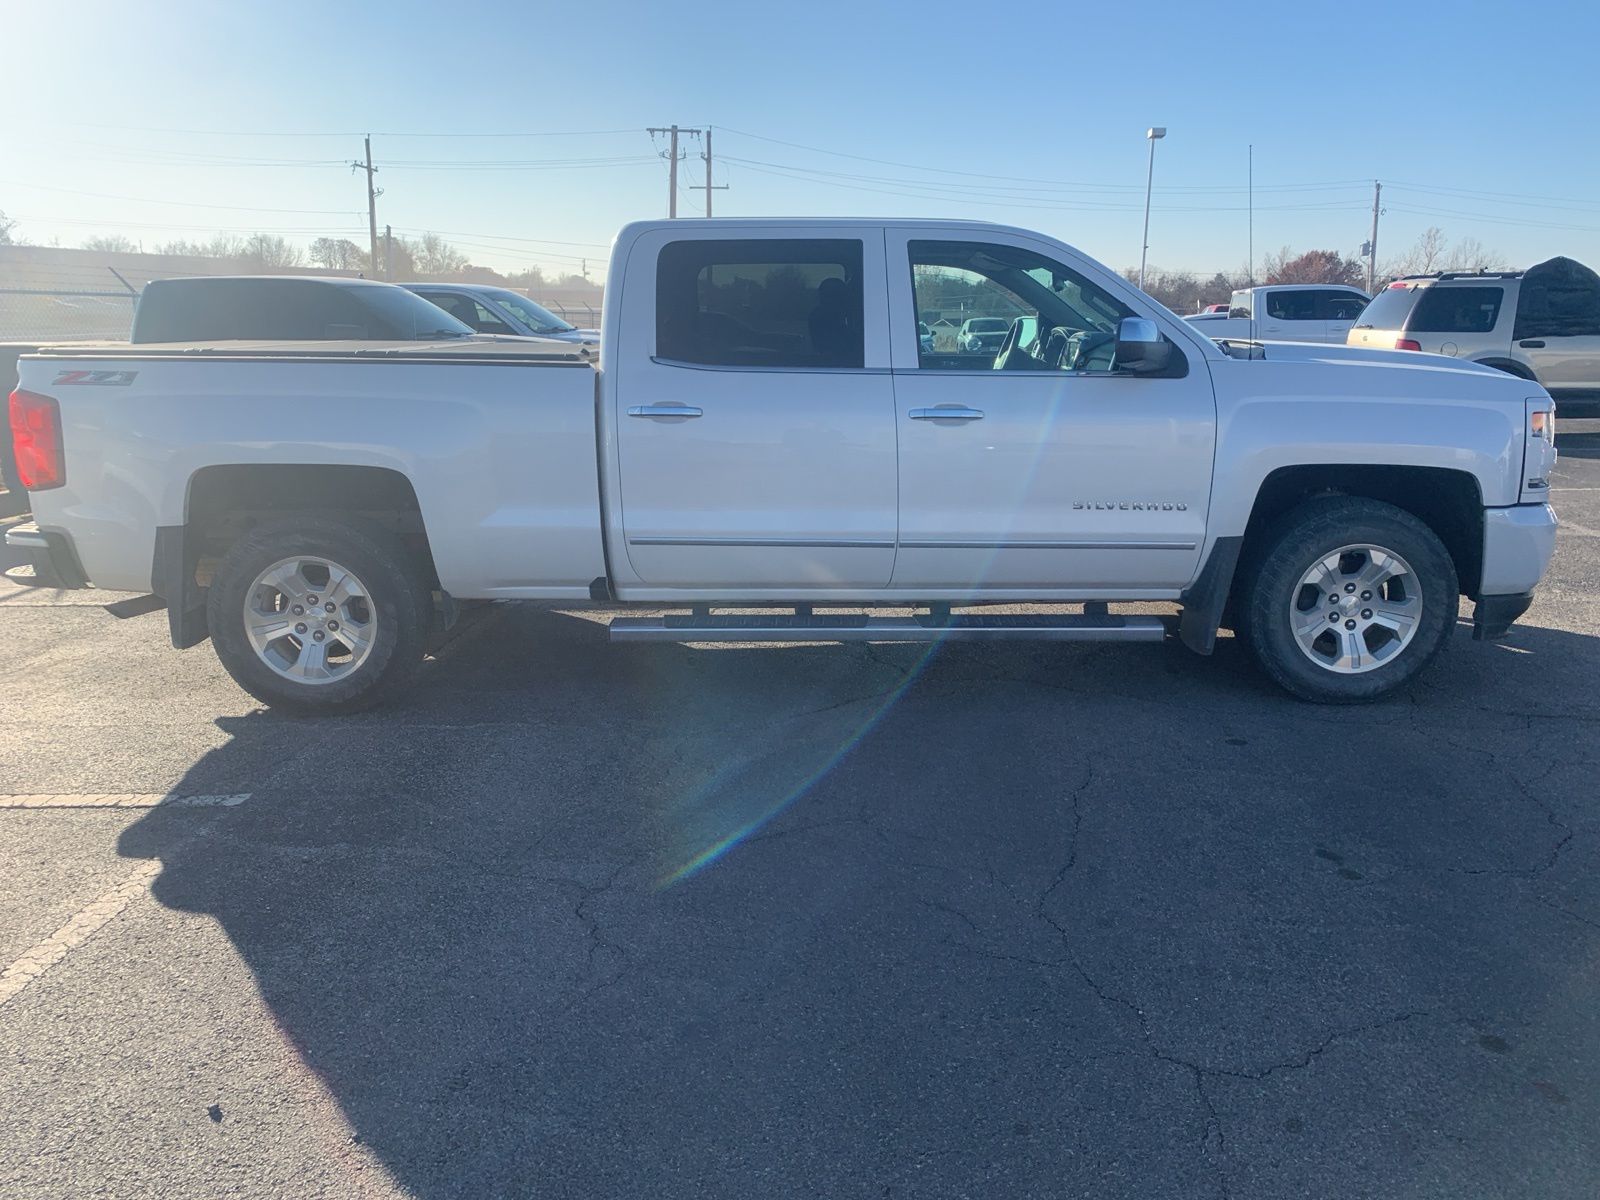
(1517, 544)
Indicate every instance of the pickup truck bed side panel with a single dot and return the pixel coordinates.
(501, 456)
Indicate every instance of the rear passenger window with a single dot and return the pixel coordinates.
(1292, 306)
(760, 303)
(1456, 310)
(1342, 306)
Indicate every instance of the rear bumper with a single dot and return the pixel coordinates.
(51, 555)
(1517, 544)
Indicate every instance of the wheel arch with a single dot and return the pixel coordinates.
(1510, 366)
(222, 502)
(1448, 501)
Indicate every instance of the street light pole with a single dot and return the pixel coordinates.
(1153, 135)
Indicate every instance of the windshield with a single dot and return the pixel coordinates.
(408, 316)
(988, 325)
(538, 318)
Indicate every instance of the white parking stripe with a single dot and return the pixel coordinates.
(38, 959)
(120, 800)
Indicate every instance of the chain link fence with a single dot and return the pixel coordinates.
(37, 315)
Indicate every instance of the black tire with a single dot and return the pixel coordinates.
(399, 593)
(1316, 529)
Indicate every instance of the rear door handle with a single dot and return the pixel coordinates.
(1531, 344)
(946, 413)
(664, 410)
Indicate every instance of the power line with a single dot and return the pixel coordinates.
(1058, 183)
(325, 212)
(301, 229)
(1492, 220)
(345, 133)
(947, 193)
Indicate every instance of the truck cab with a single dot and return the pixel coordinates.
(1287, 312)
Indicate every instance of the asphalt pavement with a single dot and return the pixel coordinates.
(585, 920)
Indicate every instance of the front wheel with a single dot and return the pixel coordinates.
(316, 616)
(1352, 598)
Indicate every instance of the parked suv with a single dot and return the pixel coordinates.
(1541, 324)
(500, 310)
(982, 335)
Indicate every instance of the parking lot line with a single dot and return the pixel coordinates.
(120, 800)
(40, 957)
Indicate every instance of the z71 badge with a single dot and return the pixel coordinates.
(96, 378)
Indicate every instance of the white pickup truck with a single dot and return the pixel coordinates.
(1286, 312)
(767, 430)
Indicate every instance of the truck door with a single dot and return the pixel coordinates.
(1050, 470)
(754, 415)
(1290, 315)
(1340, 310)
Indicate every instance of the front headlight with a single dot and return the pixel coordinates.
(1539, 452)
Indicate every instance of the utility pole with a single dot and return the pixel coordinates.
(388, 252)
(1250, 187)
(672, 160)
(707, 157)
(1372, 246)
(372, 206)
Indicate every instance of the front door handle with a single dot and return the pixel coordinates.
(946, 413)
(664, 410)
(1531, 344)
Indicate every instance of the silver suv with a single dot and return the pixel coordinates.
(1541, 324)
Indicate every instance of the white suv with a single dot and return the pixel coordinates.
(1541, 324)
(982, 335)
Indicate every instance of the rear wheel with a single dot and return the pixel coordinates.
(318, 616)
(1351, 599)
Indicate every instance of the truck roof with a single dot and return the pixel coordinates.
(634, 228)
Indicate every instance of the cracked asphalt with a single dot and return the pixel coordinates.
(582, 920)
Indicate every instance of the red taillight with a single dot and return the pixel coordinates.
(1406, 344)
(36, 441)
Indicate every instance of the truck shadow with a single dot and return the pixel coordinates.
(581, 920)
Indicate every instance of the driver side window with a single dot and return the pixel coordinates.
(998, 307)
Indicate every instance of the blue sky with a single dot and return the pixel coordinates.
(1480, 119)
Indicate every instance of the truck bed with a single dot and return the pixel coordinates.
(485, 348)
(495, 441)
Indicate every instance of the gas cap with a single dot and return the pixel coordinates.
(1448, 348)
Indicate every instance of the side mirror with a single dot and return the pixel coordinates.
(1140, 347)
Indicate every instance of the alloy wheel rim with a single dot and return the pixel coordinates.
(1356, 609)
(310, 620)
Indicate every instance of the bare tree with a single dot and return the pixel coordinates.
(221, 246)
(528, 279)
(435, 256)
(1432, 251)
(6, 226)
(338, 254)
(111, 243)
(268, 250)
(1469, 254)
